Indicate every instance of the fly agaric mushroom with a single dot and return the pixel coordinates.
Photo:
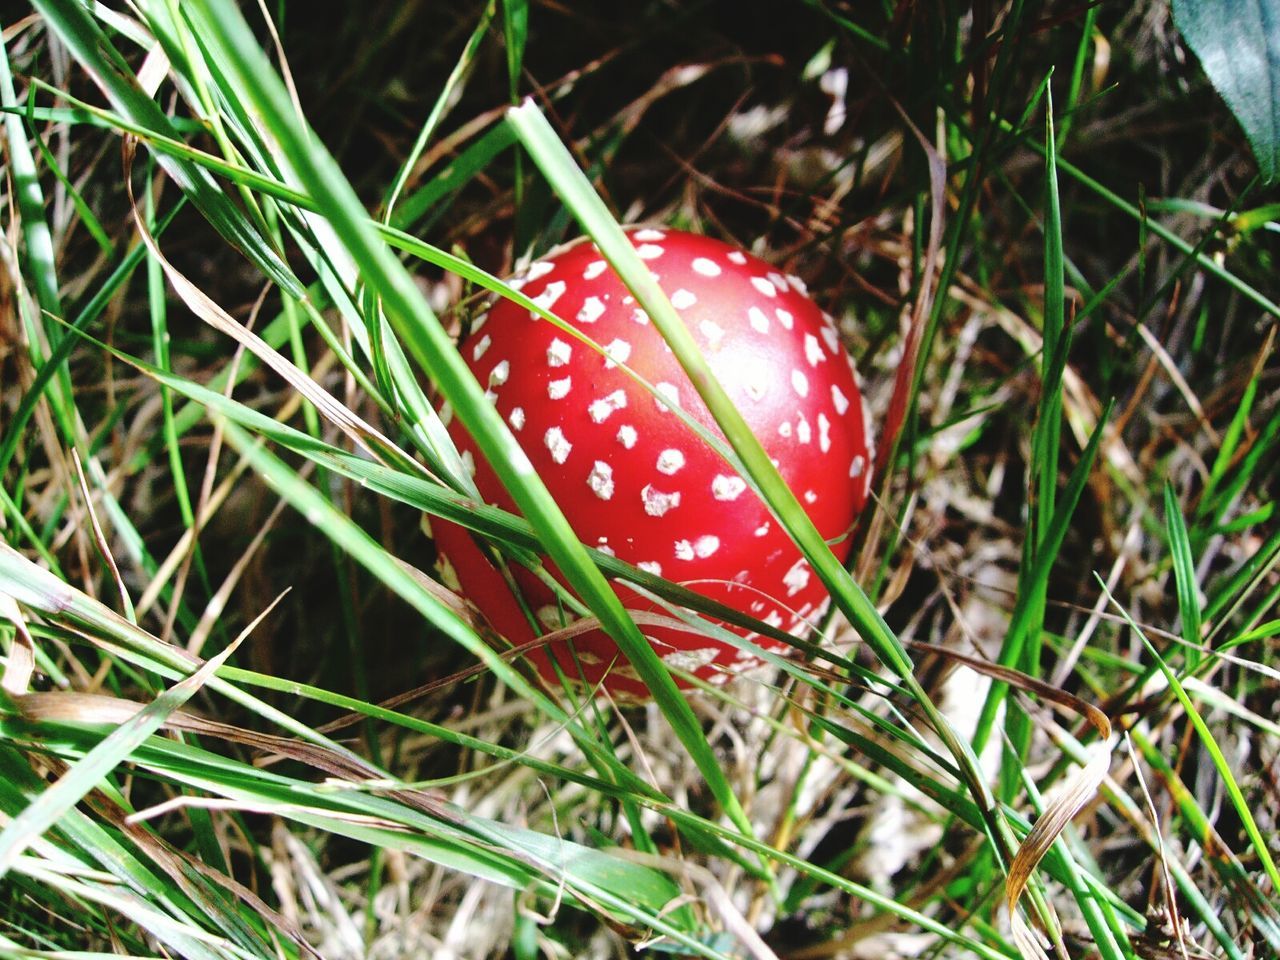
(633, 480)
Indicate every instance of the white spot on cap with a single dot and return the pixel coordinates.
(690, 660)
(831, 336)
(839, 400)
(600, 480)
(539, 269)
(784, 318)
(777, 279)
(479, 322)
(737, 257)
(813, 350)
(559, 389)
(755, 377)
(701, 548)
(640, 317)
(446, 413)
(857, 466)
(481, 346)
(516, 418)
(784, 428)
(764, 286)
(607, 551)
(649, 251)
(797, 283)
(670, 395)
(824, 433)
(557, 444)
(803, 433)
(797, 578)
(657, 503)
(810, 497)
(603, 408)
(594, 269)
(648, 233)
(468, 463)
(708, 268)
(549, 295)
(618, 351)
(762, 530)
(682, 299)
(592, 309)
(627, 435)
(727, 487)
(558, 353)
(500, 373)
(759, 320)
(800, 383)
(712, 331)
(774, 619)
(651, 566)
(670, 461)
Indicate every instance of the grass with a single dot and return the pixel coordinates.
(238, 719)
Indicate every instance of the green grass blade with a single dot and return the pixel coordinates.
(1184, 574)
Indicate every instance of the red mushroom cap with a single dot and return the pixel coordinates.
(632, 479)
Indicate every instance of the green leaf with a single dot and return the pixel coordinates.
(1238, 43)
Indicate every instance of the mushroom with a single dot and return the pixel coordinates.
(633, 480)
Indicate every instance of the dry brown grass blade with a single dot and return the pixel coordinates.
(1078, 790)
(21, 662)
(102, 709)
(99, 537)
(905, 378)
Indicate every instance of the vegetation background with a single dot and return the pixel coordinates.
(238, 720)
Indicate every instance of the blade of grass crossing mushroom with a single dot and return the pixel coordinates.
(411, 317)
(576, 191)
(367, 552)
(1205, 735)
(513, 532)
